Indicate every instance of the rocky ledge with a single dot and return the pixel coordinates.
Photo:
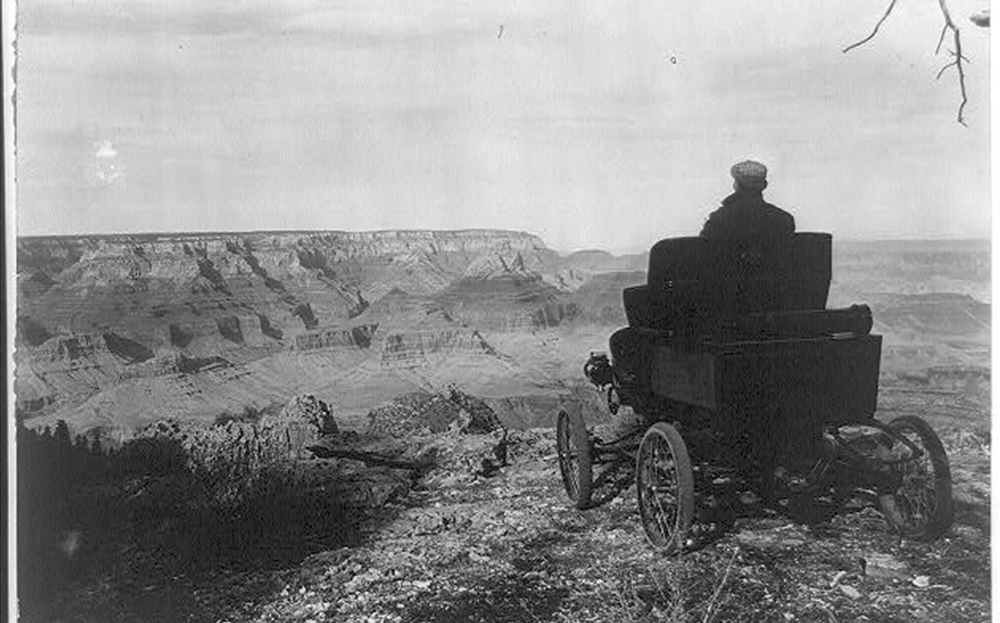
(509, 548)
(468, 522)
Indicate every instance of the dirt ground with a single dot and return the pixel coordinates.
(508, 546)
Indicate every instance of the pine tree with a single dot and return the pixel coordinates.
(61, 435)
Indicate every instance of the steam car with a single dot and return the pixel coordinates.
(739, 372)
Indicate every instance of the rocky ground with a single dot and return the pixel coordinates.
(509, 548)
(474, 539)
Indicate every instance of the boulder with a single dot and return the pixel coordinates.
(306, 420)
(310, 410)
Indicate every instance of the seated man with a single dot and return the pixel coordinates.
(745, 213)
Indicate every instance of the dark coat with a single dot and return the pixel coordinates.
(745, 213)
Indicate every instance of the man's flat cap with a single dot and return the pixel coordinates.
(750, 174)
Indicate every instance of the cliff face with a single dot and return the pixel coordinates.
(115, 331)
(280, 283)
(90, 279)
(96, 311)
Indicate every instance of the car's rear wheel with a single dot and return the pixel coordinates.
(921, 507)
(664, 487)
(575, 457)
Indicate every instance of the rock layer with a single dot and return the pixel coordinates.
(95, 312)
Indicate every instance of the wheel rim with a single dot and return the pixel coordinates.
(914, 505)
(569, 454)
(915, 501)
(658, 491)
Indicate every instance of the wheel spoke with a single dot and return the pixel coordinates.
(661, 489)
(574, 457)
(917, 495)
(665, 487)
(921, 505)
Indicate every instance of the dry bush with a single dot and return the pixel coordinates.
(422, 413)
(241, 463)
(233, 465)
(669, 591)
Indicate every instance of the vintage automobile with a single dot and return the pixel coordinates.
(738, 372)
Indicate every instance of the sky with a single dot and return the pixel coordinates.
(594, 124)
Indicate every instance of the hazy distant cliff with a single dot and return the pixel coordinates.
(289, 281)
(95, 312)
(114, 331)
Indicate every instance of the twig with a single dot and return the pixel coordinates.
(531, 613)
(951, 64)
(958, 61)
(369, 458)
(957, 54)
(944, 31)
(722, 584)
(874, 30)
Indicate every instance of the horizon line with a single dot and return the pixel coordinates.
(618, 250)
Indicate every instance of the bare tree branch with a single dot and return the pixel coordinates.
(957, 55)
(368, 458)
(959, 61)
(944, 31)
(874, 30)
(940, 73)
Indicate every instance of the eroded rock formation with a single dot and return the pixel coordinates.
(163, 312)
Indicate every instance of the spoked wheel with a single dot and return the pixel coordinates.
(820, 504)
(573, 444)
(665, 487)
(922, 506)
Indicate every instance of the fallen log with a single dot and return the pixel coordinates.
(372, 458)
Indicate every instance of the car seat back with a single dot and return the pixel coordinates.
(692, 282)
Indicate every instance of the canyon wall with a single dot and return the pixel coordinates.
(117, 331)
(97, 313)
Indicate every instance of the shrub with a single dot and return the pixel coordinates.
(240, 464)
(151, 456)
(249, 415)
(233, 465)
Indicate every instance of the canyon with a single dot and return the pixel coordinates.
(116, 331)
(406, 341)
